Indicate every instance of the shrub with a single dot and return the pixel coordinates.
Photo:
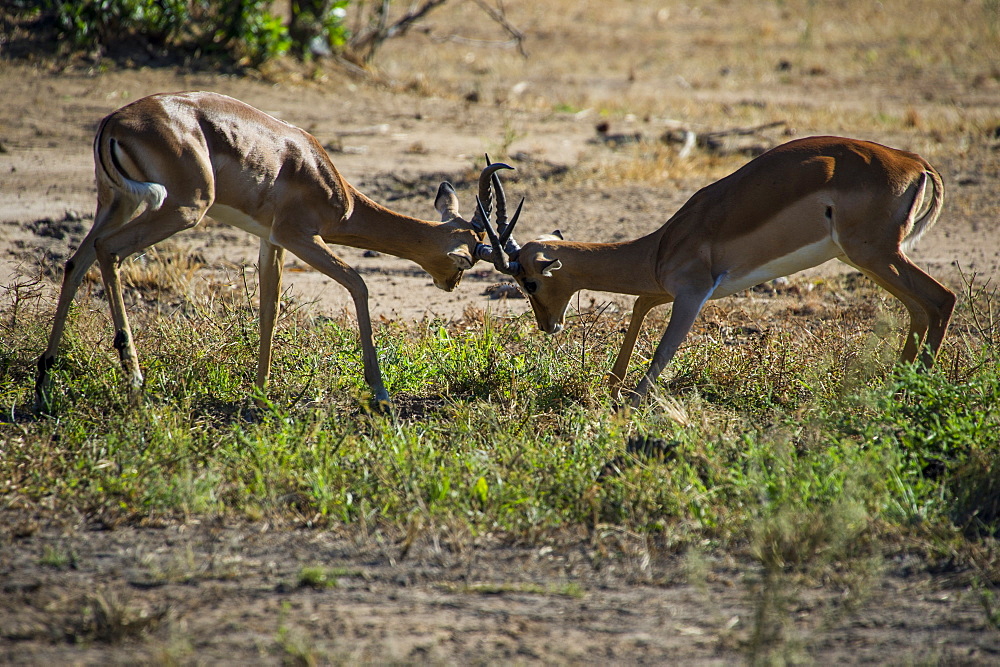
(244, 31)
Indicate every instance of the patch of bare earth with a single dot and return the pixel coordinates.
(219, 590)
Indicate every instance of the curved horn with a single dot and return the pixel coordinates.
(511, 247)
(485, 194)
(501, 199)
(499, 257)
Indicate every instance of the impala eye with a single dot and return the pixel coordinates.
(530, 286)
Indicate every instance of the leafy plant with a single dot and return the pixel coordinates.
(243, 29)
(317, 577)
(92, 23)
(244, 32)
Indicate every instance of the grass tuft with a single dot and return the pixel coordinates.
(781, 433)
(317, 577)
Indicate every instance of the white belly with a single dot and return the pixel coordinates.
(237, 218)
(804, 258)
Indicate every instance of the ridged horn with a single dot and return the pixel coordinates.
(504, 229)
(510, 246)
(498, 256)
(479, 223)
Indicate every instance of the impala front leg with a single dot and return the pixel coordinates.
(686, 307)
(373, 374)
(269, 266)
(640, 309)
(314, 251)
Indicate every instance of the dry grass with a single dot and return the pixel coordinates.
(653, 61)
(166, 268)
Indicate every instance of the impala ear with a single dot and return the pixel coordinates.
(554, 236)
(547, 266)
(446, 201)
(556, 233)
(462, 259)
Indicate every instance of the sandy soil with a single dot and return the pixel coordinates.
(217, 592)
(229, 593)
(47, 193)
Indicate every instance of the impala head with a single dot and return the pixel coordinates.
(535, 267)
(537, 275)
(465, 241)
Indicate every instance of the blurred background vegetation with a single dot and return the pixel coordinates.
(229, 32)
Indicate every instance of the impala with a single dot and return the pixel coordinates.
(794, 207)
(166, 161)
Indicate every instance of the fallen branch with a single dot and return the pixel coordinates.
(723, 141)
(744, 131)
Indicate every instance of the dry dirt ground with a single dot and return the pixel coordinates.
(921, 76)
(222, 592)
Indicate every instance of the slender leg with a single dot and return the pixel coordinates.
(149, 228)
(928, 302)
(640, 309)
(314, 251)
(686, 307)
(270, 262)
(108, 217)
(109, 263)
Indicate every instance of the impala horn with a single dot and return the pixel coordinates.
(481, 217)
(510, 246)
(479, 223)
(497, 254)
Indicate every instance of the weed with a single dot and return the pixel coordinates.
(295, 645)
(501, 149)
(318, 577)
(108, 617)
(991, 605)
(57, 558)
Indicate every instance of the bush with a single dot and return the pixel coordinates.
(243, 31)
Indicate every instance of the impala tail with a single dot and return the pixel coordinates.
(925, 221)
(106, 156)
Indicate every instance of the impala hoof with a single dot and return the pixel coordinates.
(621, 408)
(623, 402)
(43, 404)
(381, 403)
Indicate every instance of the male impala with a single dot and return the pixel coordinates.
(793, 207)
(180, 157)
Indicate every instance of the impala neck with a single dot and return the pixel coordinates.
(627, 267)
(374, 227)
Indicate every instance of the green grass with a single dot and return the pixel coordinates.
(796, 443)
(318, 577)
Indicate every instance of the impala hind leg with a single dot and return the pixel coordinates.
(314, 251)
(928, 302)
(640, 309)
(108, 218)
(149, 228)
